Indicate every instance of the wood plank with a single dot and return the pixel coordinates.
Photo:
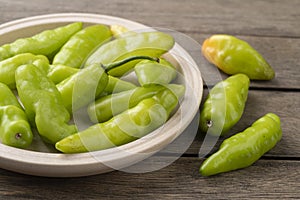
(199, 24)
(285, 104)
(214, 16)
(265, 179)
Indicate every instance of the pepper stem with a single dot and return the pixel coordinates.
(126, 60)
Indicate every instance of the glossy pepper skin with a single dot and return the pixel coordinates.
(116, 85)
(83, 87)
(43, 104)
(57, 73)
(233, 56)
(108, 106)
(14, 128)
(9, 66)
(152, 44)
(81, 44)
(151, 72)
(224, 105)
(45, 43)
(120, 31)
(244, 148)
(128, 126)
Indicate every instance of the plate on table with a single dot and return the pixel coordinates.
(43, 161)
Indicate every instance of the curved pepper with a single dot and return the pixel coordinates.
(234, 56)
(9, 66)
(83, 87)
(224, 105)
(151, 72)
(57, 73)
(128, 126)
(244, 148)
(106, 107)
(116, 85)
(45, 43)
(14, 128)
(43, 104)
(152, 44)
(81, 44)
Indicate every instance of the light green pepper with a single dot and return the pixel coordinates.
(224, 105)
(83, 87)
(45, 43)
(244, 148)
(14, 128)
(152, 44)
(108, 106)
(234, 56)
(57, 73)
(81, 44)
(9, 66)
(43, 104)
(116, 85)
(128, 126)
(151, 72)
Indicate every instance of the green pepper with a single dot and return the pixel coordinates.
(244, 148)
(128, 126)
(45, 43)
(108, 106)
(81, 44)
(57, 73)
(234, 56)
(43, 104)
(116, 85)
(152, 44)
(83, 87)
(224, 105)
(14, 128)
(151, 72)
(9, 66)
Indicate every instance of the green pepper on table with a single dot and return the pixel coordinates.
(234, 56)
(224, 105)
(15, 129)
(244, 148)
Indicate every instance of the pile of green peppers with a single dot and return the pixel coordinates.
(60, 71)
(225, 104)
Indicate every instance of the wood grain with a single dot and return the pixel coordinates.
(265, 179)
(270, 26)
(261, 18)
(277, 42)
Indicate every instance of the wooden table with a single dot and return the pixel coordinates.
(271, 26)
